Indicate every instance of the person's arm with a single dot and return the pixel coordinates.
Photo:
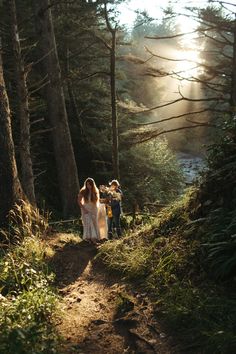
(117, 195)
(82, 207)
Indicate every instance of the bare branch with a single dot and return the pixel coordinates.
(181, 116)
(42, 131)
(37, 121)
(40, 82)
(209, 99)
(199, 123)
(157, 133)
(39, 174)
(39, 87)
(215, 39)
(43, 57)
(94, 74)
(171, 36)
(223, 2)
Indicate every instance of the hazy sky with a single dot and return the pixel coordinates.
(154, 9)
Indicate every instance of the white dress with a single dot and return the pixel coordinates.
(94, 221)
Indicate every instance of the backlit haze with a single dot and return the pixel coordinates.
(184, 66)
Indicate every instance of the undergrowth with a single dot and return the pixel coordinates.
(27, 300)
(182, 262)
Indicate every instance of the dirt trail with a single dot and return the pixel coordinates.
(101, 314)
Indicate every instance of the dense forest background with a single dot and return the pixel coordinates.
(90, 98)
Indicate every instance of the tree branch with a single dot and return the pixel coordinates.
(210, 99)
(157, 133)
(181, 116)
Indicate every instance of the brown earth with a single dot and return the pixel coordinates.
(101, 314)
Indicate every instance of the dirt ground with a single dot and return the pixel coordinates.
(101, 314)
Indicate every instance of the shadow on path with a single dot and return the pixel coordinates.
(102, 314)
(70, 261)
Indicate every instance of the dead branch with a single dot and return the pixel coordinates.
(166, 58)
(62, 221)
(172, 36)
(223, 26)
(188, 99)
(43, 57)
(215, 39)
(36, 84)
(94, 74)
(174, 74)
(198, 64)
(223, 2)
(39, 174)
(181, 116)
(37, 121)
(157, 133)
(200, 81)
(196, 122)
(42, 131)
(39, 87)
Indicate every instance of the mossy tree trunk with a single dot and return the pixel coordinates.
(10, 187)
(22, 99)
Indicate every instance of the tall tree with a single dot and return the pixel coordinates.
(114, 118)
(233, 81)
(22, 105)
(10, 187)
(63, 149)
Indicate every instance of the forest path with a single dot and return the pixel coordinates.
(100, 313)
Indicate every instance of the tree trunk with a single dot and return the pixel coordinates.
(115, 143)
(114, 119)
(233, 84)
(71, 95)
(63, 150)
(10, 187)
(27, 176)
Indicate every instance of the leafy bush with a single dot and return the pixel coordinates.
(25, 322)
(152, 174)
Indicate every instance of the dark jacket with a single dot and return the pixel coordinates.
(116, 203)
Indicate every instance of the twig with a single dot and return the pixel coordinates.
(62, 221)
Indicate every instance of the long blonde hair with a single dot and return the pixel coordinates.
(94, 191)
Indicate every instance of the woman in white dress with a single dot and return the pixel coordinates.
(92, 212)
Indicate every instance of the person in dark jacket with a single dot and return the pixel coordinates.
(115, 196)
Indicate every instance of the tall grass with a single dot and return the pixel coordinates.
(27, 300)
(170, 259)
